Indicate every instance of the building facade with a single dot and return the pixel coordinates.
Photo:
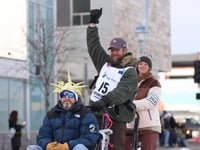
(40, 57)
(68, 21)
(119, 19)
(14, 93)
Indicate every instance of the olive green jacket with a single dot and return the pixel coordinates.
(123, 94)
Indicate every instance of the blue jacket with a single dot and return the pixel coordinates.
(75, 126)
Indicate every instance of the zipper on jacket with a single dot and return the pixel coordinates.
(63, 127)
(149, 114)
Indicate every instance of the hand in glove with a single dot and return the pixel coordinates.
(60, 146)
(98, 105)
(51, 146)
(57, 146)
(130, 105)
(95, 14)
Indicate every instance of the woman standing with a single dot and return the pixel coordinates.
(146, 101)
(16, 139)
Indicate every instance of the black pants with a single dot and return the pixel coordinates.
(16, 142)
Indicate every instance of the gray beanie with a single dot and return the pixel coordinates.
(147, 60)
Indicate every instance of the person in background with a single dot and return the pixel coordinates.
(68, 125)
(13, 123)
(181, 140)
(162, 135)
(172, 131)
(166, 129)
(116, 83)
(146, 101)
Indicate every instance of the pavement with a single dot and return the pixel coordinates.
(192, 145)
(177, 148)
(5, 143)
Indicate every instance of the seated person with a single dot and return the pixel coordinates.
(68, 125)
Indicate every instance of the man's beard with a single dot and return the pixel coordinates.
(115, 61)
(67, 106)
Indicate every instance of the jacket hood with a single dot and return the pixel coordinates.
(129, 60)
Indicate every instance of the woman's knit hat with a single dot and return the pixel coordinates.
(147, 60)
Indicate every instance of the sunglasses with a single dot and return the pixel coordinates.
(67, 93)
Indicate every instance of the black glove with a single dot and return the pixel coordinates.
(130, 105)
(95, 14)
(98, 105)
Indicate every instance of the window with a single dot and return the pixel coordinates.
(72, 12)
(12, 97)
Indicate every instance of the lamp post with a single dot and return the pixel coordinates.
(141, 31)
(86, 96)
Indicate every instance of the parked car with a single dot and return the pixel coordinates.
(190, 126)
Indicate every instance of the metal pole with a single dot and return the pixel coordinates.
(27, 97)
(144, 13)
(141, 29)
(86, 97)
(141, 44)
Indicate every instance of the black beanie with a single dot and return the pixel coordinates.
(147, 60)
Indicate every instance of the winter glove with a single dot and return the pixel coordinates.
(98, 105)
(51, 146)
(60, 146)
(130, 105)
(133, 106)
(95, 14)
(57, 146)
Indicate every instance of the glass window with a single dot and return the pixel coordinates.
(63, 13)
(81, 12)
(37, 104)
(76, 20)
(80, 6)
(48, 2)
(12, 97)
(17, 97)
(77, 15)
(86, 19)
(4, 105)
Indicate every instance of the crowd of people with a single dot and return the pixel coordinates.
(172, 132)
(124, 85)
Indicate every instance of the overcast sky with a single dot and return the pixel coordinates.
(185, 26)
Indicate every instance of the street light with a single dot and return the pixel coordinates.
(141, 31)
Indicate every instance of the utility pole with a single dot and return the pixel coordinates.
(141, 29)
(197, 73)
(86, 96)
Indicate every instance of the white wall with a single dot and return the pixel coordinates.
(13, 68)
(12, 29)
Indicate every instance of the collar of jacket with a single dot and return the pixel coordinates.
(145, 76)
(127, 60)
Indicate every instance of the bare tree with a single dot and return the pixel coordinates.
(45, 44)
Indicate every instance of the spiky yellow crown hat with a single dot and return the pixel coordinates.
(74, 87)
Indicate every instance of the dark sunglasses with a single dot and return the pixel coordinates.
(67, 93)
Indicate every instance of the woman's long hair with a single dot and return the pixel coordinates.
(13, 116)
